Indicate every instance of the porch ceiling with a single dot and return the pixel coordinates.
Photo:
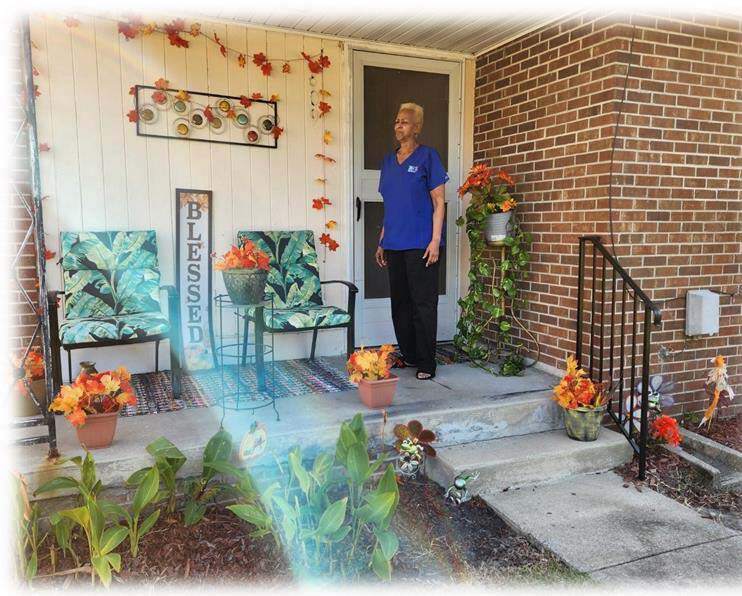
(466, 31)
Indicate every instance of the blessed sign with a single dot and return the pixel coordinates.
(193, 275)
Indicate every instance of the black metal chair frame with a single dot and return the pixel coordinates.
(350, 325)
(173, 336)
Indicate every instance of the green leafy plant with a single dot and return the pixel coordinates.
(147, 482)
(480, 308)
(168, 460)
(329, 519)
(200, 490)
(93, 516)
(28, 536)
(513, 365)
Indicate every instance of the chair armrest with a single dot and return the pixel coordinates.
(171, 291)
(351, 287)
(52, 298)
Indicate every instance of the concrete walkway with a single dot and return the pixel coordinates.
(619, 534)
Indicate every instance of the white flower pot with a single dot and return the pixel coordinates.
(496, 227)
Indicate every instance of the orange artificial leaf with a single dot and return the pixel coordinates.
(49, 254)
(324, 238)
(266, 69)
(324, 157)
(241, 60)
(333, 245)
(196, 29)
(275, 97)
(327, 137)
(149, 29)
(177, 41)
(320, 180)
(259, 59)
(257, 95)
(36, 91)
(324, 61)
(159, 97)
(208, 114)
(325, 93)
(35, 71)
(245, 101)
(331, 225)
(276, 132)
(286, 68)
(44, 147)
(317, 204)
(175, 26)
(128, 30)
(71, 22)
(222, 49)
(184, 95)
(133, 90)
(230, 113)
(324, 107)
(162, 83)
(133, 116)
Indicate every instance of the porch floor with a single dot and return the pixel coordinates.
(462, 404)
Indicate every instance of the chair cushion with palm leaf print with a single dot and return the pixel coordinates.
(293, 280)
(111, 287)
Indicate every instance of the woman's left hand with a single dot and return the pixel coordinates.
(432, 253)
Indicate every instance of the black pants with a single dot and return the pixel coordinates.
(414, 294)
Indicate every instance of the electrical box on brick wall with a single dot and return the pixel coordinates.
(701, 312)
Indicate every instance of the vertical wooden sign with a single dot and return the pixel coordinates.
(193, 276)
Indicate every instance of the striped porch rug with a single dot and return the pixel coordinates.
(200, 389)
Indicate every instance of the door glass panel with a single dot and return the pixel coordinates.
(376, 280)
(384, 89)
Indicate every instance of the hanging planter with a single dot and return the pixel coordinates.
(496, 228)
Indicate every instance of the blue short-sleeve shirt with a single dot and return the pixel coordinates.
(408, 208)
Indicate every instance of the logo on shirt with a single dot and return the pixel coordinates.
(412, 169)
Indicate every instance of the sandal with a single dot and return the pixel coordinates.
(424, 376)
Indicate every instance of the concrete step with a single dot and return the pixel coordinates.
(528, 460)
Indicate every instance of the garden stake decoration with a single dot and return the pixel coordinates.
(413, 444)
(718, 387)
(458, 492)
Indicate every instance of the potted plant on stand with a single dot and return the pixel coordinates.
(583, 401)
(490, 200)
(371, 370)
(29, 375)
(92, 404)
(245, 271)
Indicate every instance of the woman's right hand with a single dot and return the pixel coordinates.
(380, 258)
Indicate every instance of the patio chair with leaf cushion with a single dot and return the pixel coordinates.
(112, 296)
(293, 280)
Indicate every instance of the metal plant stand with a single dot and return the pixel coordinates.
(234, 353)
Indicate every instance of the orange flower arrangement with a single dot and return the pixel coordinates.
(98, 393)
(576, 390)
(32, 369)
(488, 190)
(246, 256)
(665, 428)
(370, 365)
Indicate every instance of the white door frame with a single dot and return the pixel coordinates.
(357, 57)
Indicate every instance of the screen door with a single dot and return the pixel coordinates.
(381, 82)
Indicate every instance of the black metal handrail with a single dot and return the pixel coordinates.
(602, 369)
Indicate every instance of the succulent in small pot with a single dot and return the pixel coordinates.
(92, 403)
(371, 370)
(413, 445)
(583, 401)
(245, 272)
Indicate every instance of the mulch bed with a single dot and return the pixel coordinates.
(727, 431)
(438, 543)
(673, 477)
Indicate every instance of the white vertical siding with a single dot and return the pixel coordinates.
(99, 175)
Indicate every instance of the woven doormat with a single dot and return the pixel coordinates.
(202, 389)
(445, 353)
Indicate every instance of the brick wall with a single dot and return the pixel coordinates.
(545, 110)
(21, 317)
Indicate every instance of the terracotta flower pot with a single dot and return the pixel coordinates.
(378, 394)
(98, 430)
(22, 405)
(583, 425)
(245, 286)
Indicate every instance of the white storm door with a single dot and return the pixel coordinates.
(381, 82)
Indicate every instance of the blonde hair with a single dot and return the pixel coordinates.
(417, 110)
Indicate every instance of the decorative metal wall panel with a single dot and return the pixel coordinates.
(206, 117)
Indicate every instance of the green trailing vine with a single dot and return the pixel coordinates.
(503, 266)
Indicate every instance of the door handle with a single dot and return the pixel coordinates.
(358, 209)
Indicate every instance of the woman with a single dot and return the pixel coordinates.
(412, 185)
